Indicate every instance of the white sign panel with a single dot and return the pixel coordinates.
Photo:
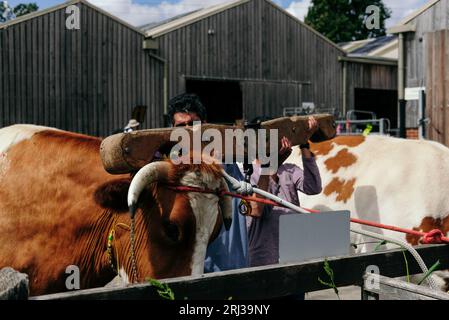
(413, 93)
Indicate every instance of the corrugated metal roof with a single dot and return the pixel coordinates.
(381, 47)
(373, 45)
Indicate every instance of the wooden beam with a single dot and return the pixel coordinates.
(272, 281)
(393, 289)
(150, 44)
(128, 152)
(402, 28)
(369, 60)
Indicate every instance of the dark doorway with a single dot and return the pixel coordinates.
(384, 103)
(222, 99)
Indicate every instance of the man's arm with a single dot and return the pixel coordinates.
(310, 181)
(264, 180)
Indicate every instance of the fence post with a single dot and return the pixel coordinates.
(402, 133)
(13, 285)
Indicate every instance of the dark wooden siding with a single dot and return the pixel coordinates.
(434, 18)
(437, 84)
(259, 45)
(369, 76)
(85, 80)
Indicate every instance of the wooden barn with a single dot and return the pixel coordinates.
(370, 77)
(248, 58)
(423, 65)
(85, 79)
(244, 58)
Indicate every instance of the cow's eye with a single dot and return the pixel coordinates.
(172, 230)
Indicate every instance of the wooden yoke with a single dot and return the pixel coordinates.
(128, 152)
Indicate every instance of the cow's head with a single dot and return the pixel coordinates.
(173, 228)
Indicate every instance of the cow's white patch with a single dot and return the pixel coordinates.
(4, 165)
(10, 136)
(205, 209)
(397, 182)
(123, 276)
(119, 280)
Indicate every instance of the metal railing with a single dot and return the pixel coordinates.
(369, 126)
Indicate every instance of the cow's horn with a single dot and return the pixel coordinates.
(152, 172)
(226, 206)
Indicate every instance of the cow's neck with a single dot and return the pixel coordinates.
(93, 261)
(121, 247)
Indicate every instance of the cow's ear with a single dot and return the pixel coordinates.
(113, 194)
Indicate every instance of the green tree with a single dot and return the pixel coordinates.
(6, 12)
(25, 8)
(9, 13)
(346, 20)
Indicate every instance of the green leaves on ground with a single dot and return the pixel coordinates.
(330, 273)
(163, 289)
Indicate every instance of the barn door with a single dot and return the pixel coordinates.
(437, 85)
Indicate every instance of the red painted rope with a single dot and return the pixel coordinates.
(433, 236)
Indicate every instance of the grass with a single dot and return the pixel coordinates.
(163, 289)
(330, 274)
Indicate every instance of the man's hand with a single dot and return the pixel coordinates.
(312, 124)
(285, 150)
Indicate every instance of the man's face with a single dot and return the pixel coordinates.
(182, 119)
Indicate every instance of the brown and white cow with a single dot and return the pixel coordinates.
(384, 179)
(58, 206)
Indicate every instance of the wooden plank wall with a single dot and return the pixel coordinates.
(256, 40)
(85, 80)
(369, 76)
(433, 19)
(259, 96)
(437, 85)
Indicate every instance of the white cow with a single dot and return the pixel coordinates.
(394, 181)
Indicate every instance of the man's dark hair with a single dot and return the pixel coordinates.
(186, 102)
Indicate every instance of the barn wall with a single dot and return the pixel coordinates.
(433, 19)
(260, 45)
(437, 84)
(85, 80)
(369, 76)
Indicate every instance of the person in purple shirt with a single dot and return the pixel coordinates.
(263, 224)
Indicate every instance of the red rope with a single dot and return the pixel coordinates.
(433, 236)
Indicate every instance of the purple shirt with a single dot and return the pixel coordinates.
(263, 232)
